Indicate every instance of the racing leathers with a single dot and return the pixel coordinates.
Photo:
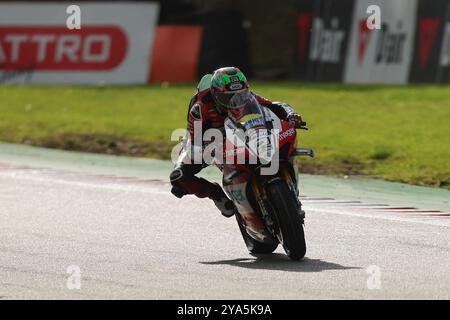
(202, 108)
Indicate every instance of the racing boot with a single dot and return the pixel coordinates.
(222, 202)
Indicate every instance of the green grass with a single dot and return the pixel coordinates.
(394, 133)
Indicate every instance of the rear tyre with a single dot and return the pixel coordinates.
(253, 245)
(289, 220)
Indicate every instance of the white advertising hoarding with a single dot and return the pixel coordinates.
(113, 46)
(381, 55)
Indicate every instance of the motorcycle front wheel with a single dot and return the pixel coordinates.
(290, 223)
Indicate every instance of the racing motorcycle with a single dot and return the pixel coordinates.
(259, 176)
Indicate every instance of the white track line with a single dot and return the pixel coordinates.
(430, 220)
(347, 211)
(94, 185)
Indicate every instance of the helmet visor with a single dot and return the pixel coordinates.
(233, 99)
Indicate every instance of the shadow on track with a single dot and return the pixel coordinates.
(282, 263)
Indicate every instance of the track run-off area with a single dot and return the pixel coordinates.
(85, 226)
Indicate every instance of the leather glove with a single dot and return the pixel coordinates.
(295, 119)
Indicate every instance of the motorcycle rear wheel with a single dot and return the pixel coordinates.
(289, 220)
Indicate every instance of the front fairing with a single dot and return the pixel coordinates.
(250, 134)
(252, 139)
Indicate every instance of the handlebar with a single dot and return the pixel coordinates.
(303, 126)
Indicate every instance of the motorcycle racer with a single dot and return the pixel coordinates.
(226, 95)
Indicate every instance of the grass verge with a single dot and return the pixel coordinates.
(389, 132)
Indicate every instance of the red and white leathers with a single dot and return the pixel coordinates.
(202, 108)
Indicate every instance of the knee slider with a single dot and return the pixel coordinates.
(176, 175)
(175, 179)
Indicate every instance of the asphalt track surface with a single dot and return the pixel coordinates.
(131, 239)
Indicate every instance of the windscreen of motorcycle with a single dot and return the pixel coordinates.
(249, 111)
(256, 129)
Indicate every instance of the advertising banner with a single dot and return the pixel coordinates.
(382, 55)
(443, 70)
(112, 45)
(330, 31)
(303, 34)
(429, 38)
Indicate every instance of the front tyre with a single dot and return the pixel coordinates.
(290, 222)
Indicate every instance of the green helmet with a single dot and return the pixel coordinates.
(229, 88)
